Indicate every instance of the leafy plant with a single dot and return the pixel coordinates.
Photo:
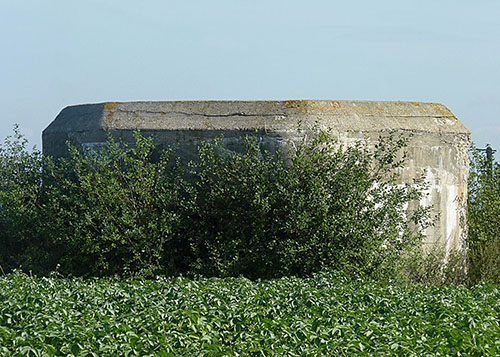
(484, 261)
(259, 214)
(326, 314)
(136, 211)
(483, 217)
(484, 197)
(20, 189)
(118, 209)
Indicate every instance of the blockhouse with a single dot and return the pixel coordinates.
(438, 147)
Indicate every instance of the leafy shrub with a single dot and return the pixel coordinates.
(258, 214)
(438, 267)
(132, 211)
(484, 261)
(484, 198)
(483, 218)
(97, 213)
(20, 189)
(117, 210)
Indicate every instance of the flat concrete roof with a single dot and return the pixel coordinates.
(249, 115)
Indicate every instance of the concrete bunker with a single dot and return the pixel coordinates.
(438, 146)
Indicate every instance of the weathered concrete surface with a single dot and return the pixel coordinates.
(438, 147)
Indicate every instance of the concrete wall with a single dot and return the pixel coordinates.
(438, 147)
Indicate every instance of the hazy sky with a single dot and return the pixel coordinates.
(55, 53)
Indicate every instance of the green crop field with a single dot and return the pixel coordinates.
(323, 315)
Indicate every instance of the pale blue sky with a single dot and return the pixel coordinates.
(56, 53)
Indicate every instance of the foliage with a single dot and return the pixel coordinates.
(483, 217)
(484, 262)
(439, 268)
(322, 315)
(259, 214)
(96, 213)
(484, 198)
(136, 211)
(117, 210)
(20, 190)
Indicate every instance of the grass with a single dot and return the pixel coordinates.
(323, 315)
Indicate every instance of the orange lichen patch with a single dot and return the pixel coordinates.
(110, 105)
(416, 104)
(110, 115)
(335, 104)
(163, 113)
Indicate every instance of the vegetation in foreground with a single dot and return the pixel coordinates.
(322, 315)
(122, 212)
(484, 217)
(132, 211)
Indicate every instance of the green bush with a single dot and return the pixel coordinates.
(484, 218)
(258, 214)
(438, 267)
(484, 262)
(20, 192)
(103, 213)
(134, 211)
(117, 211)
